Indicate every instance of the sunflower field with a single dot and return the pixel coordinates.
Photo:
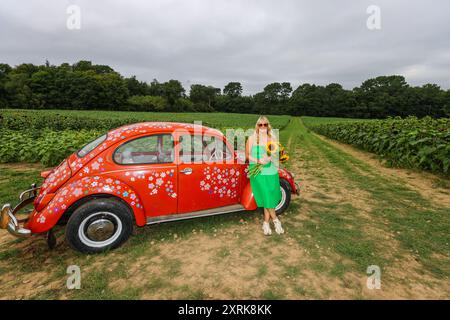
(411, 142)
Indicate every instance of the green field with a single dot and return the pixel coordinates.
(49, 136)
(104, 120)
(315, 121)
(353, 212)
(411, 142)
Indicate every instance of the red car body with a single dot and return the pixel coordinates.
(160, 186)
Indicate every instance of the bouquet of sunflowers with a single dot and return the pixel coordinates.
(272, 148)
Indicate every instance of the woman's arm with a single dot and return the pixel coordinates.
(248, 148)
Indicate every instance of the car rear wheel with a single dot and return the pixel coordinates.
(285, 197)
(99, 225)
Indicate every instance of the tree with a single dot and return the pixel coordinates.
(172, 90)
(306, 100)
(18, 91)
(274, 98)
(136, 87)
(84, 65)
(84, 85)
(147, 103)
(5, 69)
(337, 102)
(446, 107)
(203, 97)
(429, 100)
(384, 96)
(155, 88)
(184, 105)
(233, 90)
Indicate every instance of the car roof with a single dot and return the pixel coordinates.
(135, 129)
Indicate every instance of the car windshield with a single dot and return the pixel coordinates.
(91, 146)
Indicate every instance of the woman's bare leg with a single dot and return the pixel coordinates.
(266, 215)
(266, 225)
(276, 221)
(272, 213)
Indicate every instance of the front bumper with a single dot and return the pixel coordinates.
(8, 219)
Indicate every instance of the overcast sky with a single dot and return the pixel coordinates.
(252, 41)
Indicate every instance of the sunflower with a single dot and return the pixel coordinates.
(284, 158)
(272, 147)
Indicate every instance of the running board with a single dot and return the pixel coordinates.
(196, 214)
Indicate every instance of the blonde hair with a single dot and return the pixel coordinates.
(269, 128)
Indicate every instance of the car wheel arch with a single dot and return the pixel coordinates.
(78, 203)
(47, 218)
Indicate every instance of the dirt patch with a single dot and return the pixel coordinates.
(237, 263)
(21, 167)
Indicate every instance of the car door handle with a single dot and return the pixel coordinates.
(186, 171)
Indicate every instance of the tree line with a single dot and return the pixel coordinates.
(87, 86)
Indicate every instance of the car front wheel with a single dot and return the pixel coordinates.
(285, 197)
(99, 225)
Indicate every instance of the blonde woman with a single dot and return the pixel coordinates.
(266, 184)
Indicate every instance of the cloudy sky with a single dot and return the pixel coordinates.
(252, 41)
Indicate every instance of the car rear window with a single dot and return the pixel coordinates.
(91, 146)
(152, 149)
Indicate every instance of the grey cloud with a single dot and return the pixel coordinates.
(252, 41)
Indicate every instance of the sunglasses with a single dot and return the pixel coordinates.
(263, 124)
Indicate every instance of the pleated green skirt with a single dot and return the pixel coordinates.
(265, 185)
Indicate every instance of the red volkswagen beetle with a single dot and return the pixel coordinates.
(141, 174)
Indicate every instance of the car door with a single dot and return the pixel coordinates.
(147, 164)
(206, 177)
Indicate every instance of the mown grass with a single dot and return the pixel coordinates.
(421, 227)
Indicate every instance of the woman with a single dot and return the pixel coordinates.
(266, 184)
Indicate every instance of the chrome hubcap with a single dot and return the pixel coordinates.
(100, 229)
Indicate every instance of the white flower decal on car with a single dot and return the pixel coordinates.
(220, 182)
(162, 180)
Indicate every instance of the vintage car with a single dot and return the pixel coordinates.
(138, 174)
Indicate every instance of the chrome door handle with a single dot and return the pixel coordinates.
(186, 171)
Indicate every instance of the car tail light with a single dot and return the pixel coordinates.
(44, 174)
(44, 201)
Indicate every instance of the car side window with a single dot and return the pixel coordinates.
(203, 148)
(215, 149)
(152, 149)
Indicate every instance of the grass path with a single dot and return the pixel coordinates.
(351, 214)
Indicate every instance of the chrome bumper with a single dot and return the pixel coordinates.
(8, 219)
(297, 188)
(11, 223)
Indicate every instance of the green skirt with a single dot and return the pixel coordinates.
(266, 186)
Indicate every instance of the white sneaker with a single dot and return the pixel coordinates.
(278, 227)
(266, 229)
